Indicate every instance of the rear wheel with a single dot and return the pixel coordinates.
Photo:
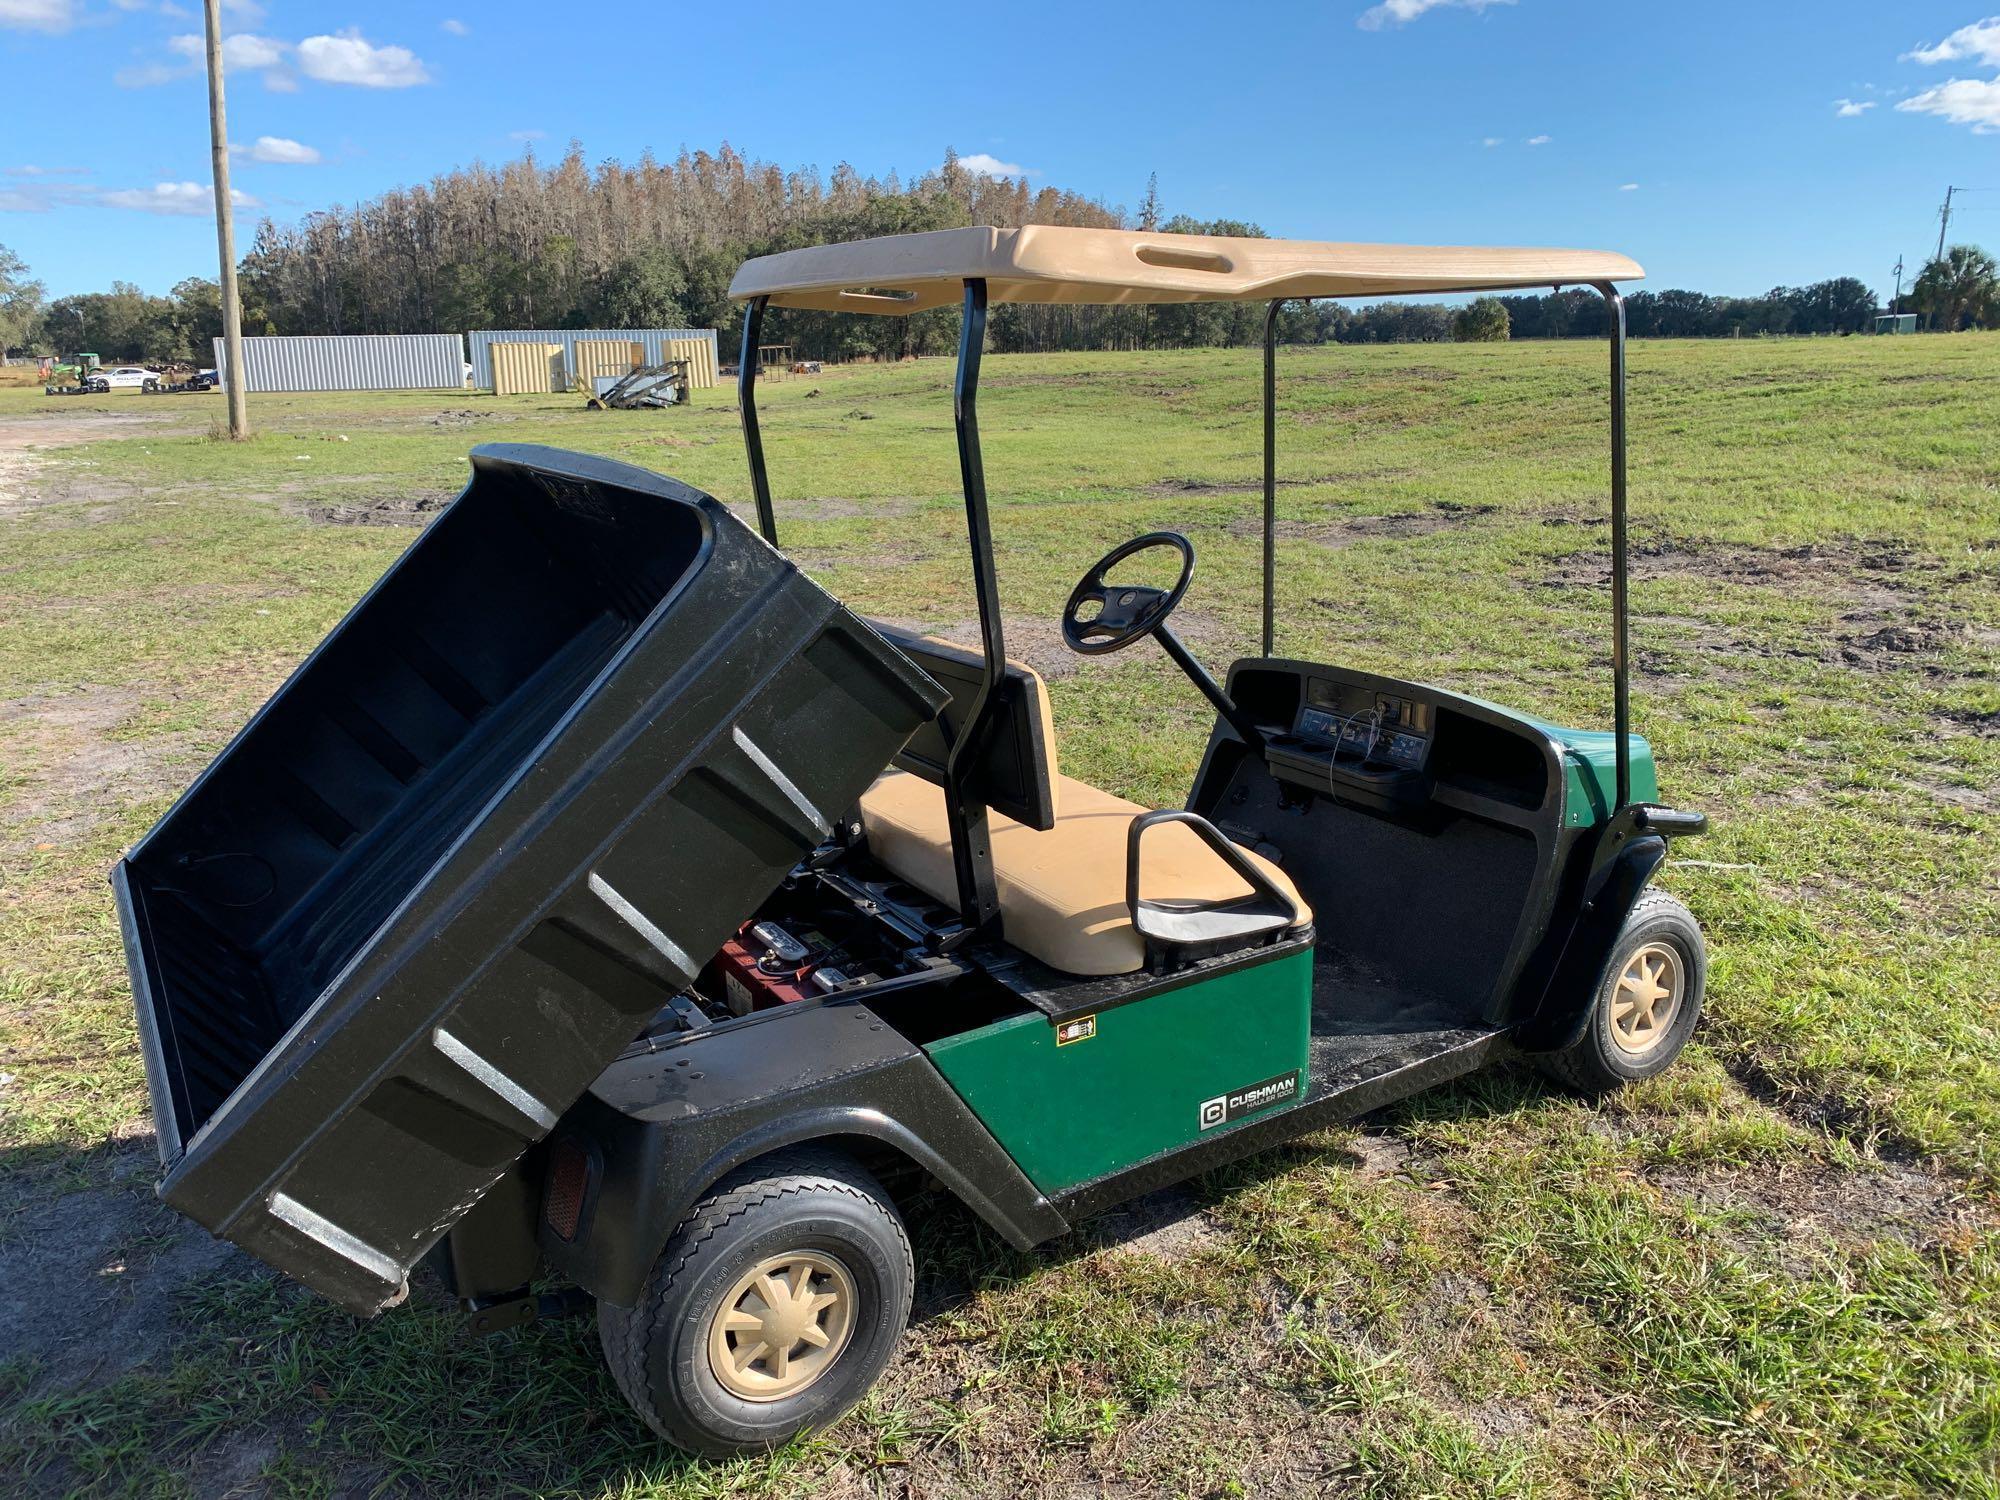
(773, 1308)
(1646, 1005)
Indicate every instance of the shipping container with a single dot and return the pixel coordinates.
(594, 363)
(655, 341)
(700, 355)
(351, 362)
(528, 369)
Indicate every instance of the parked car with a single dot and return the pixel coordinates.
(125, 378)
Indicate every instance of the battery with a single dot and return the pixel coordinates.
(759, 969)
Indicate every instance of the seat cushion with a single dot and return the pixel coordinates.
(1062, 893)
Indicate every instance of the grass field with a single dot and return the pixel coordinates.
(1774, 1270)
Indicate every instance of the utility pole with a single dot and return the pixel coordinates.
(1897, 305)
(1944, 220)
(225, 232)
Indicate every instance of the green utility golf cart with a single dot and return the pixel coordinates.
(604, 904)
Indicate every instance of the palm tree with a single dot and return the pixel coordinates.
(1961, 288)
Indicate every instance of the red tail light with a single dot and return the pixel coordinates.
(568, 1181)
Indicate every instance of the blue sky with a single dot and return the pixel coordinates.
(1727, 146)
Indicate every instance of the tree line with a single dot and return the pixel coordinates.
(529, 244)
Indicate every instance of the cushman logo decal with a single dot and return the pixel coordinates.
(1225, 1109)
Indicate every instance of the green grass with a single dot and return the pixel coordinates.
(1772, 1271)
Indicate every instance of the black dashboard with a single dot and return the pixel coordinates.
(1391, 746)
(1357, 741)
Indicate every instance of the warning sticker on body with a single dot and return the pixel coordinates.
(1225, 1109)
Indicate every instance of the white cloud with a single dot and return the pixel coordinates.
(1979, 42)
(452, 26)
(277, 149)
(350, 58)
(249, 12)
(1847, 109)
(151, 75)
(980, 164)
(527, 135)
(244, 52)
(180, 198)
(37, 15)
(1540, 140)
(1963, 101)
(1628, 187)
(1492, 140)
(34, 171)
(1398, 12)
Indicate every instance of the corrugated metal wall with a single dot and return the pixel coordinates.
(592, 360)
(352, 362)
(527, 369)
(700, 355)
(654, 339)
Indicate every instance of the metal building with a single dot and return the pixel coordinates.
(527, 369)
(655, 341)
(352, 362)
(1896, 323)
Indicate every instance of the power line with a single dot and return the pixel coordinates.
(1944, 214)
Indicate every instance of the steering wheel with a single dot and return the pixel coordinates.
(1124, 614)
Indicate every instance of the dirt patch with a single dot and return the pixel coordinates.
(92, 1276)
(1899, 646)
(417, 509)
(1856, 565)
(22, 438)
(84, 773)
(834, 508)
(456, 419)
(1803, 1206)
(1171, 1225)
(1377, 1157)
(1337, 532)
(1202, 487)
(1984, 724)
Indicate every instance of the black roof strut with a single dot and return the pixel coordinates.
(965, 812)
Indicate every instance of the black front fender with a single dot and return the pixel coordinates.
(1627, 854)
(663, 1129)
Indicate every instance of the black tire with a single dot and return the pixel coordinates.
(811, 1202)
(1596, 1062)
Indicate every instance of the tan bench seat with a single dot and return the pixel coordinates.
(1062, 893)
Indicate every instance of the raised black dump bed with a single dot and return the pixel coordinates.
(508, 807)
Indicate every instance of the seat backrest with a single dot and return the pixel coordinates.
(1015, 773)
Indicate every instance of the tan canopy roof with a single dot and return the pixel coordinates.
(906, 273)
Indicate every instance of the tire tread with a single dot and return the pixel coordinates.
(626, 1334)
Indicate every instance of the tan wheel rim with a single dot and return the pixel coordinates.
(1647, 998)
(782, 1325)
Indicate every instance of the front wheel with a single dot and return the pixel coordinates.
(1646, 1005)
(772, 1309)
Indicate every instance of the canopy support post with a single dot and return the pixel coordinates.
(746, 398)
(1270, 473)
(965, 812)
(1621, 686)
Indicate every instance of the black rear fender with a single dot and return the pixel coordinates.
(660, 1131)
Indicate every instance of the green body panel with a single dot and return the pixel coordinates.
(1136, 1088)
(1590, 764)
